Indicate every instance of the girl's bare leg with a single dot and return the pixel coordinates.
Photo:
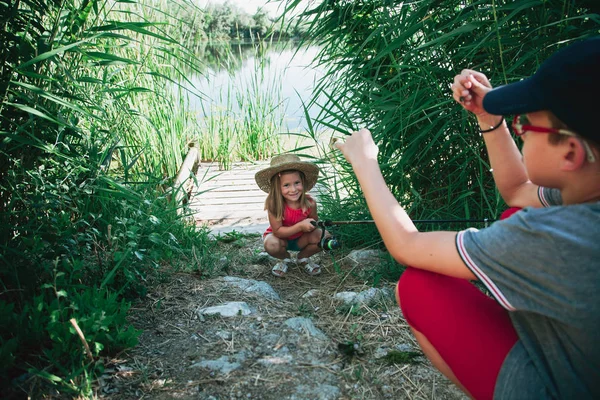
(309, 243)
(276, 247)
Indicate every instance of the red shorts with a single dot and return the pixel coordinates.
(472, 332)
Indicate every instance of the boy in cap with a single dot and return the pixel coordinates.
(537, 337)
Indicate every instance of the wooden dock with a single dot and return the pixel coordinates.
(229, 200)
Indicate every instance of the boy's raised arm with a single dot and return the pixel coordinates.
(469, 89)
(435, 251)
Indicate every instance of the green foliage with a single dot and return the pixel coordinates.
(222, 22)
(252, 133)
(402, 357)
(87, 212)
(305, 310)
(349, 349)
(352, 309)
(390, 64)
(229, 237)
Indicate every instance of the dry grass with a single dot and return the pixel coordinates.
(174, 338)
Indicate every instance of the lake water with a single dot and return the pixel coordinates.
(284, 74)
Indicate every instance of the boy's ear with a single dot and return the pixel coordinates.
(574, 154)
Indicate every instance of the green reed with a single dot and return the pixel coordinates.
(253, 132)
(92, 137)
(389, 66)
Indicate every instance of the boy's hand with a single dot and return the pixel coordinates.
(358, 147)
(469, 89)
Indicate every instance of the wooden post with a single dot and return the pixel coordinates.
(189, 167)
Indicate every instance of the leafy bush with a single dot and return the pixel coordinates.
(88, 218)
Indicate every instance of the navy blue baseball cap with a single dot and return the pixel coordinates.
(567, 84)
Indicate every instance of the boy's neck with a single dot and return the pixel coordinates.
(582, 189)
(572, 198)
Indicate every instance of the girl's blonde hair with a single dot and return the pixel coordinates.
(275, 203)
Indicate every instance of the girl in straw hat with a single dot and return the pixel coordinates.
(291, 211)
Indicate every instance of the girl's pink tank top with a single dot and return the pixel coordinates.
(290, 218)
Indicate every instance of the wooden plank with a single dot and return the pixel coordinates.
(226, 208)
(207, 214)
(246, 202)
(228, 178)
(226, 189)
(249, 170)
(237, 165)
(228, 182)
(256, 201)
(219, 194)
(220, 184)
(214, 177)
(215, 195)
(247, 173)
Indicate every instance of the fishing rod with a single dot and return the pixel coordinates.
(416, 221)
(331, 243)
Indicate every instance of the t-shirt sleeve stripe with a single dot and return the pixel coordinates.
(542, 198)
(498, 295)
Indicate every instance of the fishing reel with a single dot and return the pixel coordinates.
(326, 243)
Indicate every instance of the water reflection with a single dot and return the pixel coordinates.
(283, 74)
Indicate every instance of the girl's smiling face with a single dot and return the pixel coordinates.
(291, 187)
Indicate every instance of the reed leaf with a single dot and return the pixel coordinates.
(389, 66)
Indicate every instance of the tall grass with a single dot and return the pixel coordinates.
(243, 122)
(390, 64)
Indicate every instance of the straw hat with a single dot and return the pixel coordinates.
(285, 162)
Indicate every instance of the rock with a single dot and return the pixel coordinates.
(320, 392)
(305, 325)
(404, 347)
(221, 365)
(384, 351)
(366, 297)
(225, 335)
(346, 297)
(358, 258)
(381, 352)
(252, 286)
(268, 361)
(264, 258)
(230, 309)
(270, 339)
(310, 293)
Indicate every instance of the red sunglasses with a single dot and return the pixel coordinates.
(521, 125)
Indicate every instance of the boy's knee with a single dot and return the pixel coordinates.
(409, 283)
(412, 287)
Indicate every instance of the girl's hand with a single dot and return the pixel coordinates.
(358, 147)
(469, 89)
(307, 226)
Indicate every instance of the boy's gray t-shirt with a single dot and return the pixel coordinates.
(543, 265)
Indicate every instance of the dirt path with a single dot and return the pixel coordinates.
(338, 351)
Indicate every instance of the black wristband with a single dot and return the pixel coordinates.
(493, 128)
